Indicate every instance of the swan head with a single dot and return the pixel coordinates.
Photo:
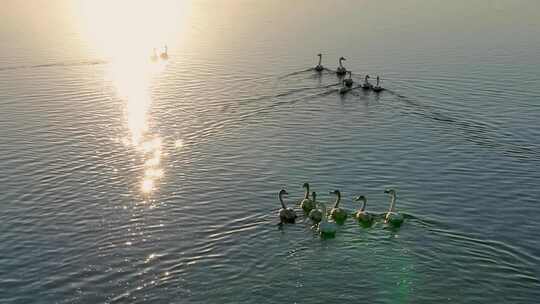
(320, 55)
(305, 185)
(283, 192)
(390, 191)
(314, 195)
(360, 198)
(338, 194)
(342, 58)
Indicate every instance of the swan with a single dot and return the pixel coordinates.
(164, 55)
(319, 67)
(337, 213)
(326, 228)
(362, 215)
(315, 214)
(306, 203)
(154, 56)
(344, 88)
(348, 81)
(392, 216)
(341, 70)
(377, 88)
(286, 215)
(366, 85)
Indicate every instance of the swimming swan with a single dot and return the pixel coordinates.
(348, 81)
(286, 215)
(362, 215)
(341, 70)
(366, 85)
(344, 88)
(377, 88)
(392, 216)
(306, 203)
(319, 67)
(337, 213)
(326, 228)
(315, 214)
(164, 55)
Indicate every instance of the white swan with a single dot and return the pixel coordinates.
(326, 228)
(366, 85)
(319, 67)
(306, 203)
(286, 215)
(315, 214)
(348, 81)
(362, 215)
(164, 55)
(377, 88)
(341, 70)
(337, 213)
(392, 216)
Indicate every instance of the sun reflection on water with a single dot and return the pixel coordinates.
(126, 32)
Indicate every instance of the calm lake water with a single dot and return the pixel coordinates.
(127, 181)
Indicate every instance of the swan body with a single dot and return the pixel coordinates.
(337, 213)
(164, 55)
(344, 88)
(392, 216)
(306, 203)
(362, 215)
(348, 81)
(341, 70)
(326, 228)
(366, 85)
(315, 214)
(286, 215)
(377, 88)
(319, 67)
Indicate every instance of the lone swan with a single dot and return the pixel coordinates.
(319, 67)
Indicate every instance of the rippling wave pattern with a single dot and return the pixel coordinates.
(130, 181)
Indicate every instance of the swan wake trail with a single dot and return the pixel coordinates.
(56, 64)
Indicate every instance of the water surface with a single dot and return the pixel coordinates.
(126, 181)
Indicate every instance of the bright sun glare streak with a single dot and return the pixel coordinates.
(126, 32)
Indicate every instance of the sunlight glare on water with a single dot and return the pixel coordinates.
(130, 180)
(127, 32)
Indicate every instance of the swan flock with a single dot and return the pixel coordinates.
(347, 83)
(326, 222)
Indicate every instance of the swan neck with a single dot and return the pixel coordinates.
(320, 59)
(392, 203)
(338, 199)
(281, 201)
(306, 193)
(340, 64)
(364, 203)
